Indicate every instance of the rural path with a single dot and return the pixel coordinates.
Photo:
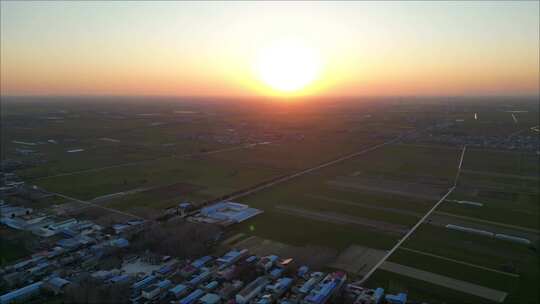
(497, 174)
(422, 220)
(440, 218)
(134, 163)
(309, 170)
(514, 275)
(99, 206)
(478, 220)
(447, 282)
(362, 205)
(343, 219)
(514, 118)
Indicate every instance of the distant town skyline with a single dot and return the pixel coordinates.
(270, 48)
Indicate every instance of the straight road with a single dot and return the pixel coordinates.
(460, 165)
(404, 238)
(134, 163)
(422, 220)
(309, 170)
(247, 192)
(99, 206)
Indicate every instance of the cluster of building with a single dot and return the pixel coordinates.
(55, 268)
(239, 277)
(236, 277)
(11, 184)
(67, 248)
(44, 225)
(520, 143)
(442, 134)
(71, 250)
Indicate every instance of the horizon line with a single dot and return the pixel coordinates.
(266, 96)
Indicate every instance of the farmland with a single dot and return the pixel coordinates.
(110, 161)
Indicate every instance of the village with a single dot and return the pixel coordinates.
(72, 254)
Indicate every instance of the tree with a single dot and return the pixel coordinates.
(176, 238)
(92, 291)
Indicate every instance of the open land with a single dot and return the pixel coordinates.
(349, 179)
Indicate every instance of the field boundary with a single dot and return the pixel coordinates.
(447, 282)
(474, 219)
(514, 275)
(99, 206)
(413, 229)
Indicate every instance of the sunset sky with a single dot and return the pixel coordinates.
(214, 48)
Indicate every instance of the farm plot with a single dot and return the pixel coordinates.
(502, 162)
(293, 155)
(430, 165)
(504, 192)
(357, 260)
(380, 216)
(483, 260)
(215, 178)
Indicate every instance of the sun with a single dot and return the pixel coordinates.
(288, 67)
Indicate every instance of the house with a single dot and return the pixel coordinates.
(200, 278)
(326, 288)
(252, 290)
(210, 298)
(201, 261)
(137, 286)
(400, 298)
(21, 294)
(56, 284)
(153, 291)
(120, 243)
(192, 297)
(119, 279)
(267, 262)
(179, 290)
(231, 257)
(9, 211)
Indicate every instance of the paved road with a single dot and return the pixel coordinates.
(259, 188)
(458, 173)
(309, 170)
(514, 118)
(413, 229)
(404, 238)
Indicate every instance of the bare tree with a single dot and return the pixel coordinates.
(176, 238)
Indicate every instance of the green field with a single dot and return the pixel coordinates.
(215, 178)
(142, 158)
(13, 245)
(314, 193)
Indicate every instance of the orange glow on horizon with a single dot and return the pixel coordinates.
(212, 49)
